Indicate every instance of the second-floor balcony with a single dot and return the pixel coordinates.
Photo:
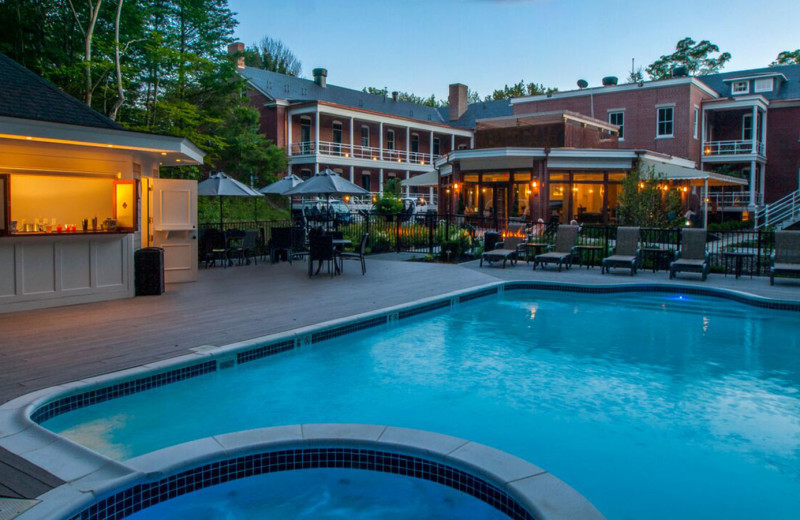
(740, 147)
(371, 153)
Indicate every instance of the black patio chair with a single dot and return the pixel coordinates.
(280, 243)
(321, 250)
(357, 255)
(214, 248)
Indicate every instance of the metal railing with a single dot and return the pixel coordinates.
(450, 237)
(361, 152)
(736, 147)
(779, 214)
(733, 199)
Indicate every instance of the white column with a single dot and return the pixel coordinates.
(752, 184)
(764, 132)
(352, 175)
(316, 131)
(761, 183)
(351, 145)
(408, 188)
(289, 130)
(380, 180)
(380, 148)
(754, 130)
(705, 203)
(431, 148)
(472, 141)
(704, 133)
(430, 195)
(408, 144)
(452, 142)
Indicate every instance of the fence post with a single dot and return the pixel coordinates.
(397, 234)
(758, 252)
(431, 219)
(446, 230)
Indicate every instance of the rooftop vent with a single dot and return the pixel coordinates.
(320, 76)
(610, 81)
(582, 84)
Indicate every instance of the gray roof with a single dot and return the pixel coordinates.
(25, 95)
(475, 111)
(281, 86)
(787, 90)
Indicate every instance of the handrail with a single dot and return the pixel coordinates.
(361, 152)
(781, 213)
(734, 147)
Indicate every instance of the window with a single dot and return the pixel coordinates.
(390, 139)
(337, 132)
(414, 143)
(305, 174)
(618, 118)
(364, 136)
(436, 146)
(305, 134)
(365, 181)
(665, 121)
(747, 127)
(696, 122)
(740, 87)
(764, 85)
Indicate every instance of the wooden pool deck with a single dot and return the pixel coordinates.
(46, 347)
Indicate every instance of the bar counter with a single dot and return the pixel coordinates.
(40, 270)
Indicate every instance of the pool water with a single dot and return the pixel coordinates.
(347, 494)
(651, 406)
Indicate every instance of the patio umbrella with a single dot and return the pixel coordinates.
(327, 183)
(221, 185)
(281, 186)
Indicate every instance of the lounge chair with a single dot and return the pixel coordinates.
(626, 252)
(566, 237)
(786, 258)
(693, 256)
(507, 253)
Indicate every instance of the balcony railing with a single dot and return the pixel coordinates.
(740, 147)
(734, 199)
(360, 152)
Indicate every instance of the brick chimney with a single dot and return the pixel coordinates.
(237, 49)
(457, 100)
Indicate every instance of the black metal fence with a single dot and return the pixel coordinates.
(458, 236)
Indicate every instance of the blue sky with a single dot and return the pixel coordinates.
(421, 46)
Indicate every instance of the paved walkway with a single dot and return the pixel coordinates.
(43, 348)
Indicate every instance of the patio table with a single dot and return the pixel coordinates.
(592, 250)
(737, 258)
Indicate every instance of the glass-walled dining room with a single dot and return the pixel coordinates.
(589, 197)
(496, 194)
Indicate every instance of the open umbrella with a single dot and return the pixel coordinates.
(281, 186)
(326, 183)
(221, 185)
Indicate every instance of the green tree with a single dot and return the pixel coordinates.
(407, 96)
(273, 55)
(389, 201)
(696, 57)
(787, 58)
(644, 203)
(520, 89)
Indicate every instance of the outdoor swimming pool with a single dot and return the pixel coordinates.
(650, 405)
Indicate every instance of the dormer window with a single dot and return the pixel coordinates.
(764, 85)
(740, 87)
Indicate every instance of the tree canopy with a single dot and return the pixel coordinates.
(271, 54)
(407, 96)
(154, 65)
(696, 57)
(520, 89)
(787, 58)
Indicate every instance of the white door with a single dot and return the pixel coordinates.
(173, 205)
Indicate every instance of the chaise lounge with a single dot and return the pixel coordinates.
(786, 258)
(626, 251)
(566, 238)
(693, 256)
(506, 253)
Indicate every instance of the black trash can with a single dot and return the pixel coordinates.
(491, 238)
(148, 266)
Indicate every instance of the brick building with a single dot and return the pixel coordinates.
(738, 131)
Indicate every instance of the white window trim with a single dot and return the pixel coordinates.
(746, 87)
(696, 122)
(617, 111)
(756, 89)
(393, 140)
(363, 127)
(658, 108)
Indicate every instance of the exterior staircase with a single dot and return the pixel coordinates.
(779, 214)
